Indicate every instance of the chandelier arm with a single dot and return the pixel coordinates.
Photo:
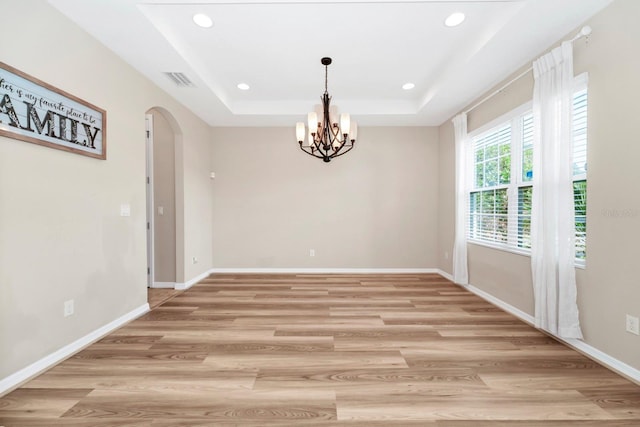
(326, 141)
(314, 142)
(318, 143)
(311, 153)
(340, 138)
(329, 140)
(349, 148)
(324, 155)
(315, 152)
(339, 148)
(336, 137)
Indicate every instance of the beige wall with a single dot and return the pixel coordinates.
(608, 287)
(446, 195)
(375, 207)
(164, 192)
(61, 233)
(193, 166)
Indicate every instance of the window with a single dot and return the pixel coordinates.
(492, 175)
(580, 170)
(502, 175)
(500, 201)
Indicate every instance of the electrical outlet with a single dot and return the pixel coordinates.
(633, 324)
(194, 260)
(68, 308)
(312, 252)
(446, 255)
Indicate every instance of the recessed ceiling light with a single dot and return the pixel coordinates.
(454, 19)
(243, 86)
(408, 86)
(202, 20)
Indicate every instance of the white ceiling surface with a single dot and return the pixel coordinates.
(376, 46)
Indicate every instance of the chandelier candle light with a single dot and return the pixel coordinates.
(325, 138)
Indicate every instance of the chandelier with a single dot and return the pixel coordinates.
(325, 138)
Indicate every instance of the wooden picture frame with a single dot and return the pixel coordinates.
(34, 111)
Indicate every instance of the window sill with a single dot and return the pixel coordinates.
(579, 263)
(500, 247)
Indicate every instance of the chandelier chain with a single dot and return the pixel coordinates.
(326, 79)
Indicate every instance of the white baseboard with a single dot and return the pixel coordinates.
(163, 285)
(325, 270)
(526, 317)
(610, 362)
(190, 283)
(445, 275)
(15, 380)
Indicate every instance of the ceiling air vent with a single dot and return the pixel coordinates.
(179, 79)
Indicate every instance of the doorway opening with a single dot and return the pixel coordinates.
(163, 207)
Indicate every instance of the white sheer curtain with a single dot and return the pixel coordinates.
(552, 217)
(460, 272)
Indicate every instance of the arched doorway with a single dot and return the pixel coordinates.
(164, 203)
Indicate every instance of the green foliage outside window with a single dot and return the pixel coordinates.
(580, 203)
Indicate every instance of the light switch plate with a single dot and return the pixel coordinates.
(68, 308)
(125, 210)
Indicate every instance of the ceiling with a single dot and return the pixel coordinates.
(377, 46)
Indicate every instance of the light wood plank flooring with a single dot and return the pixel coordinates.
(325, 350)
(157, 296)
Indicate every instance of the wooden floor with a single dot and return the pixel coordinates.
(362, 350)
(157, 296)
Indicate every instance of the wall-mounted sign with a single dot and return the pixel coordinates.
(34, 111)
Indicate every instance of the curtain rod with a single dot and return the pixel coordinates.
(585, 31)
